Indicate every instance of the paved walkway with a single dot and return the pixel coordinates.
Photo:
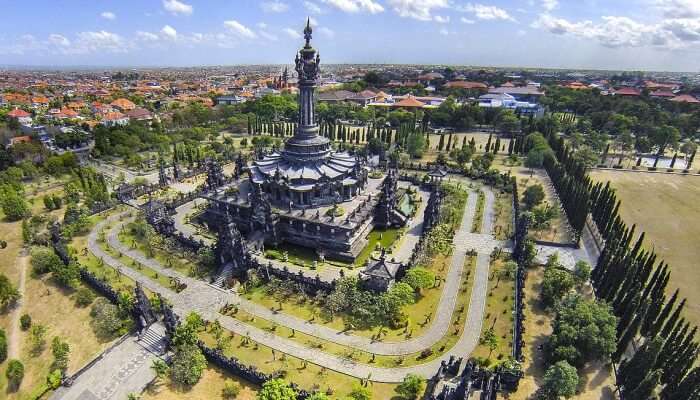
(207, 300)
(120, 371)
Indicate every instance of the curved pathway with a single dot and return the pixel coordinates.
(207, 300)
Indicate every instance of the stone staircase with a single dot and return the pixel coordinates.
(153, 339)
(224, 274)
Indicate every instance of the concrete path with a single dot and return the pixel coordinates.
(207, 300)
(120, 371)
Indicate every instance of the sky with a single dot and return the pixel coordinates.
(661, 35)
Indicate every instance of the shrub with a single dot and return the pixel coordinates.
(84, 297)
(25, 322)
(106, 318)
(3, 346)
(231, 389)
(14, 373)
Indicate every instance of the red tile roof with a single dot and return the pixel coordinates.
(685, 98)
(18, 113)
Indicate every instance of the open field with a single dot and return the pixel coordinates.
(666, 208)
(210, 386)
(596, 382)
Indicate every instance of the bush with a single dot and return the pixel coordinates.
(188, 364)
(107, 320)
(3, 346)
(14, 373)
(25, 322)
(84, 297)
(44, 260)
(231, 389)
(411, 388)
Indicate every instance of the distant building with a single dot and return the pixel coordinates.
(507, 101)
(520, 93)
(229, 100)
(23, 117)
(467, 85)
(627, 91)
(139, 114)
(115, 119)
(123, 105)
(685, 98)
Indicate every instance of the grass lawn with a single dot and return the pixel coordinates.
(665, 207)
(479, 213)
(379, 237)
(442, 345)
(210, 386)
(503, 213)
(526, 177)
(596, 382)
(499, 315)
(307, 375)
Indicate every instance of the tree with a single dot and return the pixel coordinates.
(415, 145)
(461, 155)
(583, 330)
(25, 322)
(14, 205)
(188, 364)
(582, 272)
(37, 338)
(276, 389)
(61, 351)
(533, 196)
(318, 396)
(411, 387)
(160, 368)
(231, 389)
(359, 392)
(3, 346)
(14, 373)
(44, 260)
(560, 380)
(419, 278)
(633, 371)
(556, 283)
(106, 318)
(490, 340)
(8, 293)
(508, 270)
(646, 387)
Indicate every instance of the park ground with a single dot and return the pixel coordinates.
(596, 379)
(665, 207)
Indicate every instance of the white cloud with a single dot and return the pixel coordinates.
(147, 36)
(311, 7)
(169, 32)
(441, 19)
(59, 40)
(550, 5)
(91, 42)
(177, 7)
(313, 22)
(268, 36)
(679, 8)
(261, 25)
(613, 31)
(274, 6)
(327, 32)
(292, 33)
(444, 32)
(487, 13)
(240, 29)
(355, 6)
(522, 32)
(467, 21)
(108, 15)
(417, 9)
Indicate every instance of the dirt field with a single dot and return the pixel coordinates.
(666, 208)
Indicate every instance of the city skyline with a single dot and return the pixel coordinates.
(659, 35)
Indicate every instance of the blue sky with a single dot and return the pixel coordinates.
(605, 34)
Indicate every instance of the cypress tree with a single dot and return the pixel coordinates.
(464, 142)
(633, 371)
(488, 144)
(672, 320)
(497, 147)
(624, 340)
(441, 145)
(663, 315)
(449, 142)
(690, 162)
(673, 160)
(646, 387)
(685, 389)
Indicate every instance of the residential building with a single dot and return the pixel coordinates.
(115, 118)
(23, 117)
(123, 105)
